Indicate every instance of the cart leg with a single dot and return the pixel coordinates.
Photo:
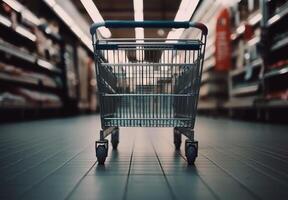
(115, 138)
(177, 138)
(101, 148)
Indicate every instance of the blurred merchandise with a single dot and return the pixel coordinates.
(8, 99)
(258, 68)
(41, 66)
(70, 72)
(214, 88)
(83, 78)
(45, 47)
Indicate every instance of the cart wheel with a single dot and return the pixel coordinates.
(115, 139)
(191, 154)
(101, 154)
(177, 140)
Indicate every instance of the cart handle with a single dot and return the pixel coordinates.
(148, 24)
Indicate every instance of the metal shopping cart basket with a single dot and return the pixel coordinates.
(149, 82)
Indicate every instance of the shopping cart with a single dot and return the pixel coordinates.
(148, 82)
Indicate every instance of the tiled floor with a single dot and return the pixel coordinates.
(55, 159)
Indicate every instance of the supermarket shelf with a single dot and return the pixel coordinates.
(29, 83)
(25, 13)
(208, 105)
(25, 33)
(241, 102)
(276, 72)
(208, 67)
(276, 103)
(209, 64)
(253, 20)
(27, 106)
(33, 60)
(212, 90)
(19, 31)
(245, 89)
(280, 44)
(213, 76)
(17, 53)
(278, 16)
(254, 41)
(4, 21)
(53, 36)
(209, 53)
(85, 39)
(48, 66)
(8, 77)
(254, 64)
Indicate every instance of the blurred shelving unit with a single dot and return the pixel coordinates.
(246, 72)
(256, 82)
(275, 76)
(40, 65)
(214, 88)
(260, 87)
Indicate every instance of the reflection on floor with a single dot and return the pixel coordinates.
(55, 159)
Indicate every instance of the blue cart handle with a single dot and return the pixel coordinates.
(148, 24)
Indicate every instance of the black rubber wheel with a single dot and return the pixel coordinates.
(191, 154)
(101, 154)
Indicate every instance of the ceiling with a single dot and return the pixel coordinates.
(123, 10)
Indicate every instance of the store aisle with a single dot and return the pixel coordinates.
(55, 159)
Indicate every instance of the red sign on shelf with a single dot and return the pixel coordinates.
(223, 42)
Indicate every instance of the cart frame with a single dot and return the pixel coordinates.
(148, 82)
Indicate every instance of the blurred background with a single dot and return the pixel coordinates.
(47, 67)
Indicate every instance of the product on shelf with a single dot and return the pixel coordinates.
(10, 72)
(46, 47)
(282, 95)
(277, 6)
(35, 52)
(279, 64)
(83, 64)
(9, 69)
(24, 98)
(70, 72)
(8, 99)
(11, 46)
(40, 98)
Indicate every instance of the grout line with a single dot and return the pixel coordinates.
(236, 179)
(11, 164)
(129, 171)
(51, 173)
(213, 193)
(266, 148)
(37, 164)
(19, 143)
(229, 174)
(79, 182)
(26, 146)
(270, 154)
(242, 160)
(260, 149)
(201, 179)
(165, 177)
